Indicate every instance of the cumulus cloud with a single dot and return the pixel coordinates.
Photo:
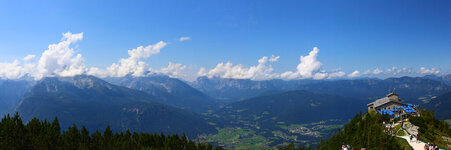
(393, 71)
(202, 72)
(260, 72)
(354, 74)
(173, 70)
(60, 59)
(377, 71)
(11, 70)
(320, 75)
(274, 58)
(184, 38)
(133, 64)
(102, 73)
(396, 71)
(338, 74)
(307, 68)
(424, 70)
(29, 57)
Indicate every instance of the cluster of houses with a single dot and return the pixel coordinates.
(393, 106)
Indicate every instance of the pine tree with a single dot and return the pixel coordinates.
(71, 138)
(85, 139)
(97, 140)
(33, 129)
(107, 138)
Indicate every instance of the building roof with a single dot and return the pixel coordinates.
(391, 94)
(383, 101)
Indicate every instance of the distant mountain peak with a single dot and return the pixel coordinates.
(90, 101)
(79, 81)
(171, 91)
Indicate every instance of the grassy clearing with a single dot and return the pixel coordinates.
(238, 138)
(398, 130)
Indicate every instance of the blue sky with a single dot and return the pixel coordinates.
(351, 35)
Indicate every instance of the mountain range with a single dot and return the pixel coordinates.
(169, 91)
(95, 103)
(231, 90)
(445, 79)
(413, 89)
(293, 107)
(158, 103)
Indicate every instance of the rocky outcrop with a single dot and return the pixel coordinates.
(412, 129)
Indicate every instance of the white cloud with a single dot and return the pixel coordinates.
(338, 74)
(227, 70)
(320, 75)
(393, 71)
(354, 74)
(307, 68)
(184, 38)
(405, 70)
(29, 57)
(274, 58)
(133, 64)
(173, 70)
(60, 59)
(11, 70)
(424, 70)
(98, 72)
(377, 71)
(202, 72)
(396, 71)
(367, 72)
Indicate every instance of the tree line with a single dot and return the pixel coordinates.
(37, 134)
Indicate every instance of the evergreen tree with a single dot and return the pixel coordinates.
(44, 135)
(71, 138)
(97, 140)
(107, 138)
(85, 139)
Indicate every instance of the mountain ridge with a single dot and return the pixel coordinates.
(90, 101)
(171, 91)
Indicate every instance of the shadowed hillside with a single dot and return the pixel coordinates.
(90, 101)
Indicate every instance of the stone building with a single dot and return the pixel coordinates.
(391, 101)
